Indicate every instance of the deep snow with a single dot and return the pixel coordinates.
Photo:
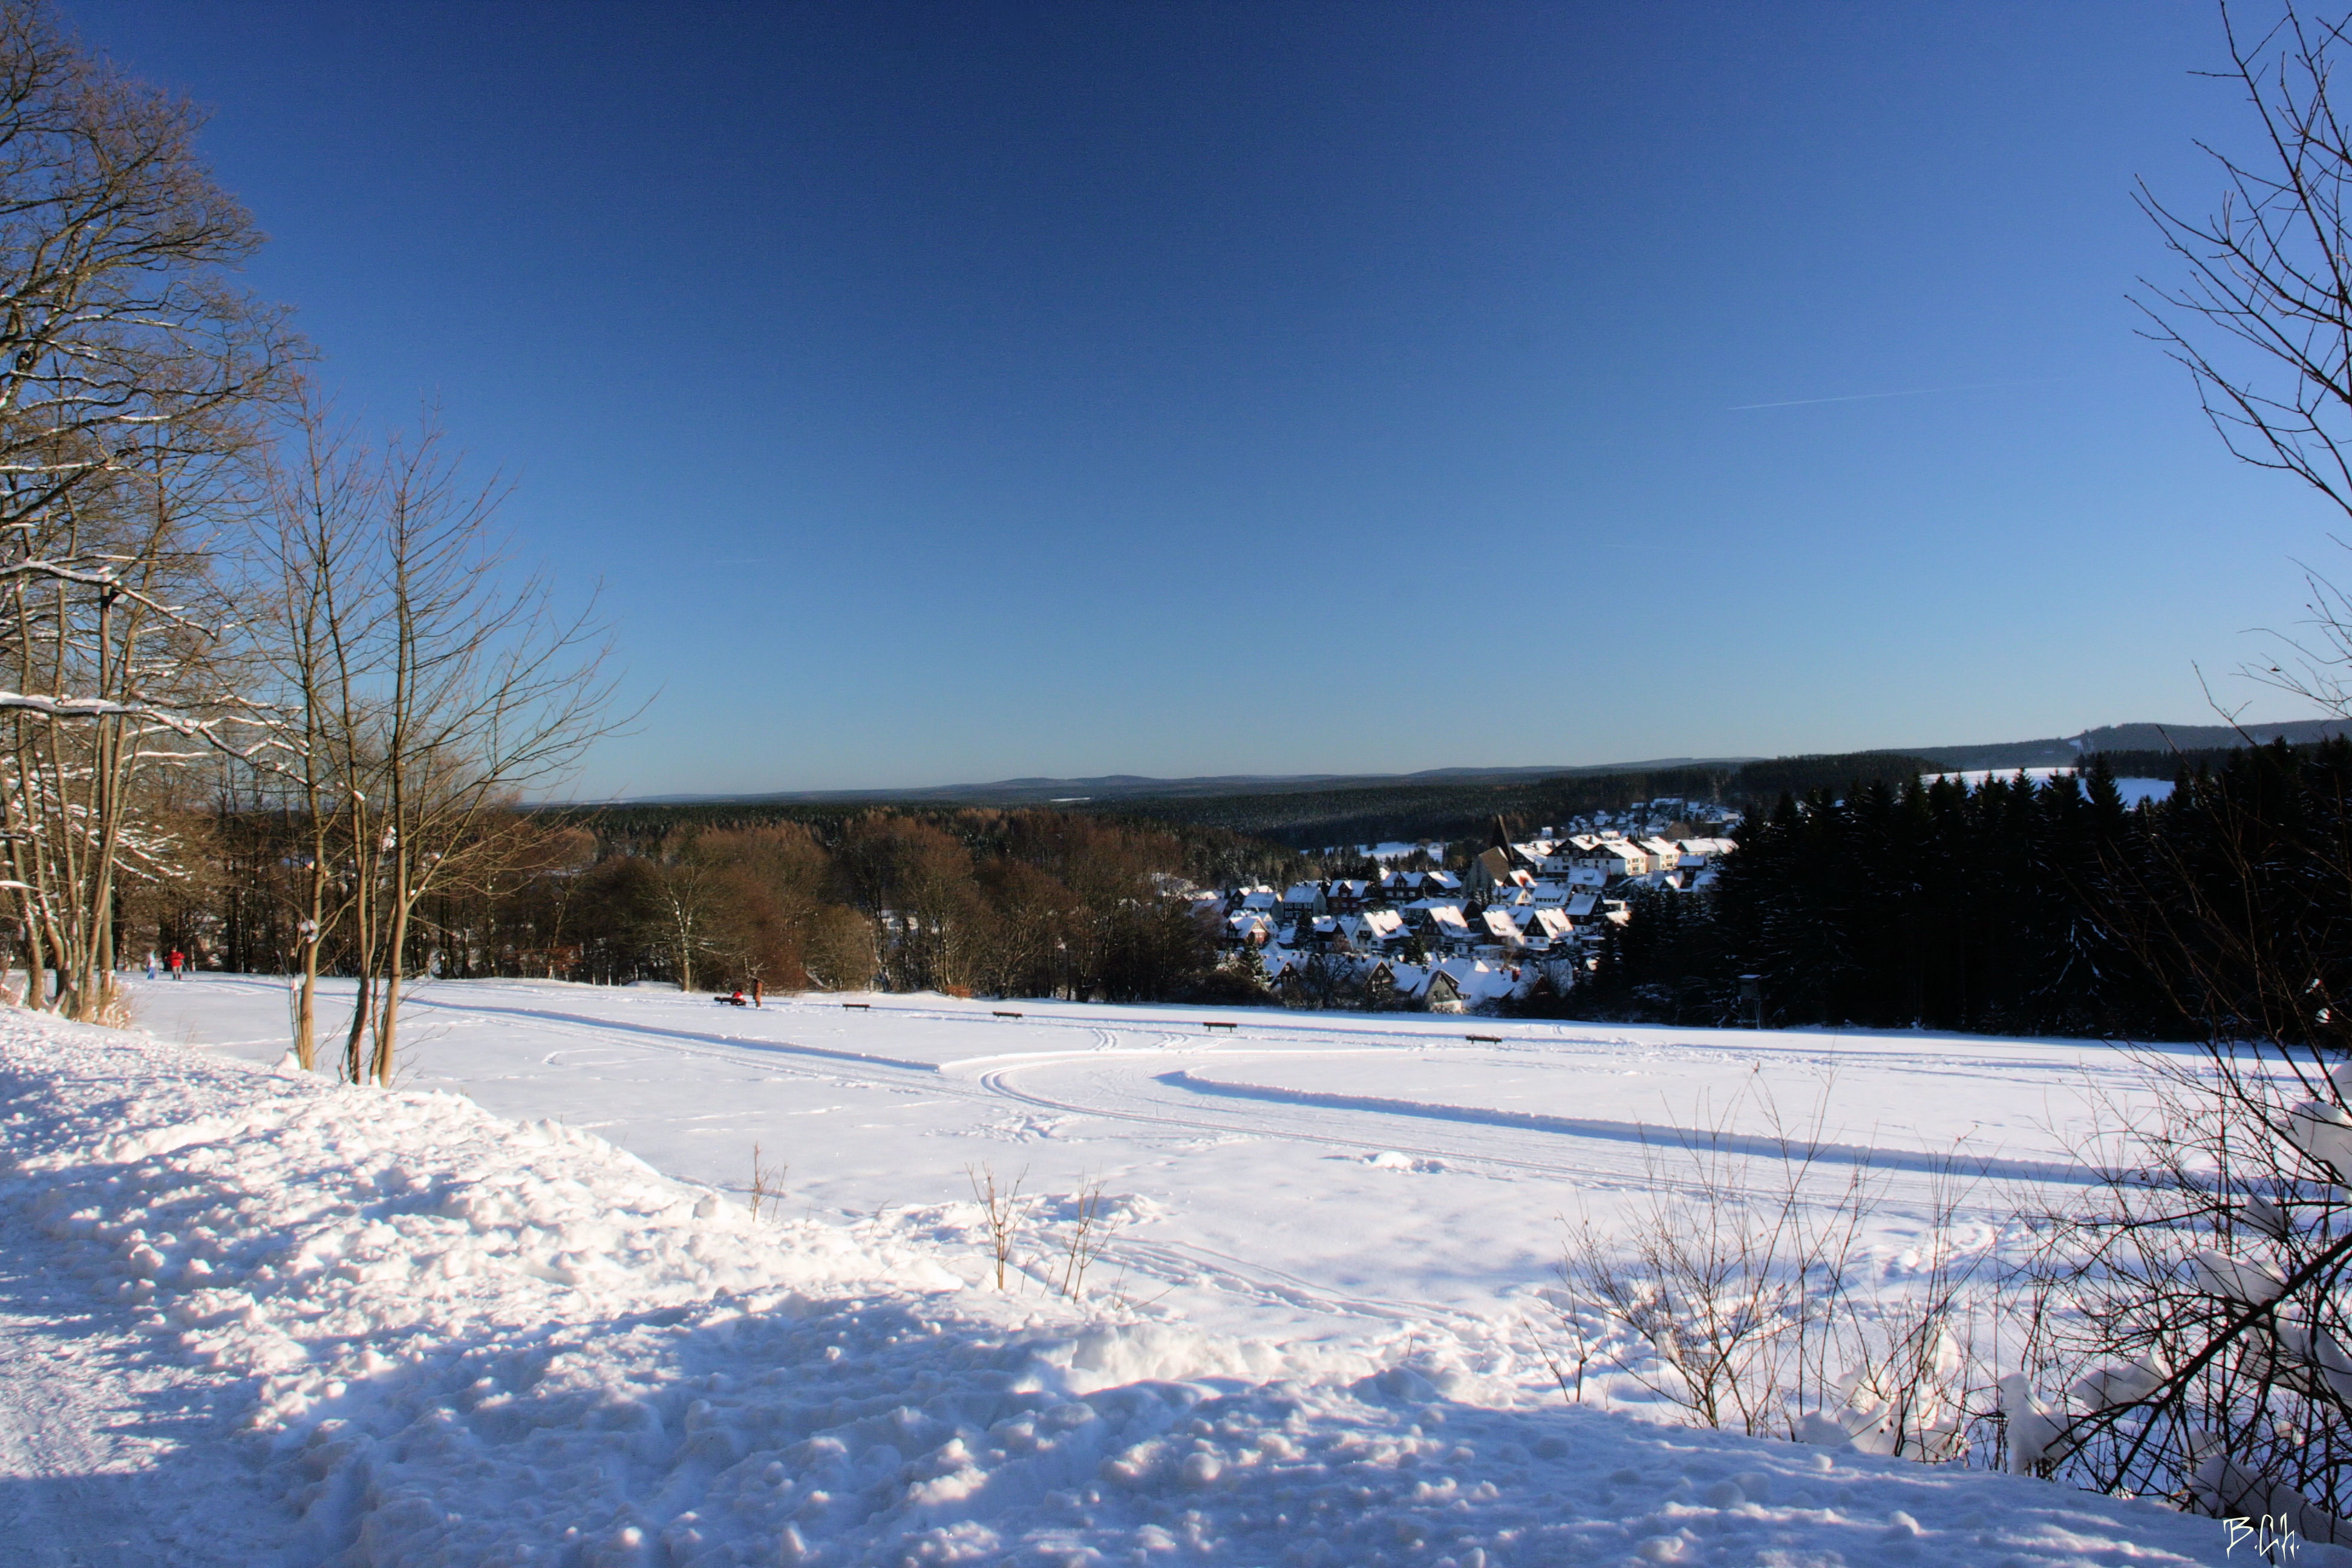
(251, 1316)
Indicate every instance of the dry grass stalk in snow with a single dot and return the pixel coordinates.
(767, 1181)
(1749, 1287)
(1002, 1211)
(1088, 1237)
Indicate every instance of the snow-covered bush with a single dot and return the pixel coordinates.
(1744, 1275)
(2193, 1342)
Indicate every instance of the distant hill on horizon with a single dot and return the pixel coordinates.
(1137, 786)
(2061, 750)
(2054, 752)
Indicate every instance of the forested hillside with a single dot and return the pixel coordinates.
(2020, 907)
(1004, 903)
(1308, 820)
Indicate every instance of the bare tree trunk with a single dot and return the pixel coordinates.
(306, 1008)
(359, 1015)
(396, 947)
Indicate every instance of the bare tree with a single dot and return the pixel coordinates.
(839, 952)
(1742, 1271)
(2262, 319)
(483, 691)
(2203, 1357)
(317, 589)
(131, 379)
(691, 893)
(73, 787)
(419, 689)
(2262, 315)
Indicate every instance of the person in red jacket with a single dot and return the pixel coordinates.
(177, 958)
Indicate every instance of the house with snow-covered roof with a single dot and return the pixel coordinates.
(1477, 983)
(1305, 898)
(1501, 929)
(1374, 930)
(1438, 920)
(1547, 928)
(1421, 986)
(1614, 858)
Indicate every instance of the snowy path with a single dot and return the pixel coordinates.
(101, 1440)
(67, 1494)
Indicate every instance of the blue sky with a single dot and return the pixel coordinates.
(947, 393)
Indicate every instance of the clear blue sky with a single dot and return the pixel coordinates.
(947, 393)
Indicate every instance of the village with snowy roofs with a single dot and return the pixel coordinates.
(1517, 916)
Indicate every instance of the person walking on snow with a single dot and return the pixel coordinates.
(150, 963)
(176, 960)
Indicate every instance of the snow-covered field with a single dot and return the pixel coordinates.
(252, 1318)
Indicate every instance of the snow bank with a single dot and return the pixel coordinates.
(445, 1338)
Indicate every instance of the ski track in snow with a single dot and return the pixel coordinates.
(1648, 1135)
(250, 1317)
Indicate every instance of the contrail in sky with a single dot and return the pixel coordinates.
(1917, 392)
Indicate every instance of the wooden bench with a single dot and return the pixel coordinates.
(1484, 1039)
(858, 1006)
(1000, 1013)
(1226, 1027)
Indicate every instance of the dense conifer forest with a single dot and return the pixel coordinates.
(2018, 908)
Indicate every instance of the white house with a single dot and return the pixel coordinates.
(1547, 928)
(1377, 929)
(1614, 858)
(1502, 930)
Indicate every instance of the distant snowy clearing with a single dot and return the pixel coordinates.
(2134, 790)
(254, 1318)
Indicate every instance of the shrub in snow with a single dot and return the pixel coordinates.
(1750, 1293)
(2192, 1305)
